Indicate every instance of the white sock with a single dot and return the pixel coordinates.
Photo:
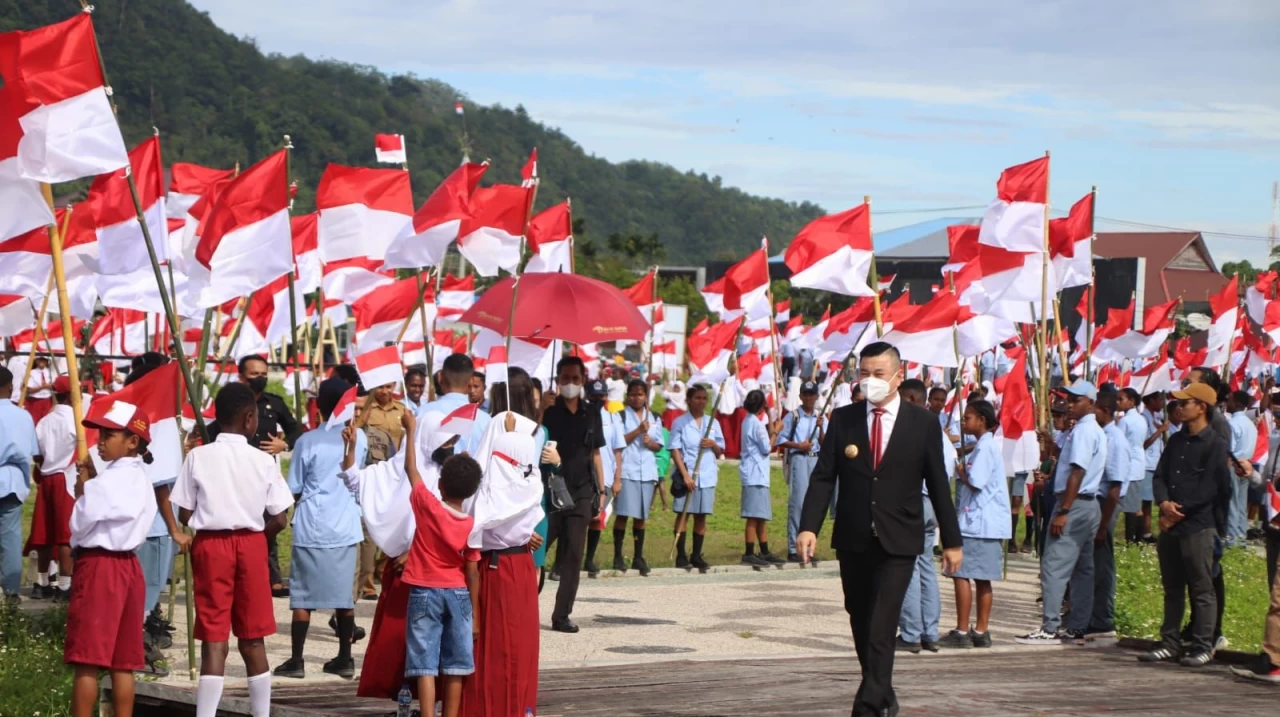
(208, 695)
(53, 567)
(64, 583)
(260, 694)
(42, 579)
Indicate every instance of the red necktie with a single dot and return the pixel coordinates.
(876, 449)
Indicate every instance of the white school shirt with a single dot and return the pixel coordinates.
(229, 485)
(56, 436)
(39, 377)
(887, 420)
(116, 510)
(676, 397)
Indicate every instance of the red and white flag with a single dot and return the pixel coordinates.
(424, 241)
(390, 149)
(833, 253)
(491, 234)
(550, 239)
(782, 312)
(1017, 421)
(495, 365)
(1155, 377)
(53, 77)
(456, 295)
(1273, 503)
(664, 356)
(245, 237)
(1257, 297)
(529, 173)
(794, 328)
(814, 335)
(925, 336)
(189, 182)
(361, 211)
(1271, 320)
(461, 420)
(1015, 219)
(24, 206)
(1226, 315)
(121, 246)
(963, 242)
(643, 292)
(532, 355)
(1157, 323)
(977, 333)
(158, 395)
(713, 295)
(1008, 277)
(120, 332)
(306, 252)
(352, 279)
(848, 330)
(268, 320)
(710, 351)
(379, 367)
(746, 284)
(381, 315)
(345, 410)
(16, 314)
(1069, 243)
(885, 283)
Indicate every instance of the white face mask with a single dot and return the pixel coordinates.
(875, 389)
(571, 391)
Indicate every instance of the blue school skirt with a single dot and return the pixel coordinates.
(983, 559)
(634, 499)
(320, 578)
(702, 501)
(756, 502)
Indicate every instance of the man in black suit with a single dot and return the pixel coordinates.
(879, 522)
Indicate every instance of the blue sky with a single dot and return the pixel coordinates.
(1171, 107)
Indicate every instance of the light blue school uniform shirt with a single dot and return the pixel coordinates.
(1085, 447)
(983, 506)
(327, 515)
(614, 440)
(451, 402)
(638, 462)
(1244, 435)
(1153, 451)
(686, 434)
(804, 425)
(17, 446)
(753, 466)
(414, 408)
(1119, 465)
(1134, 428)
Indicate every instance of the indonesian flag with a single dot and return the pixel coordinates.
(532, 355)
(16, 314)
(701, 326)
(268, 319)
(334, 310)
(1017, 421)
(850, 329)
(24, 206)
(1271, 320)
(1157, 323)
(833, 253)
(457, 108)
(495, 365)
(456, 295)
(351, 279)
(382, 314)
(782, 312)
(158, 395)
(379, 367)
(1008, 277)
(425, 240)
(189, 182)
(977, 333)
(26, 263)
(1155, 377)
(814, 335)
(121, 246)
(709, 352)
(1069, 239)
(84, 287)
(414, 353)
(389, 149)
(1257, 296)
(53, 77)
(746, 284)
(750, 365)
(643, 292)
(50, 336)
(361, 211)
(121, 332)
(794, 328)
(345, 410)
(529, 173)
(1226, 312)
(664, 356)
(924, 337)
(245, 238)
(1273, 503)
(490, 235)
(550, 237)
(1015, 219)
(462, 420)
(963, 242)
(306, 252)
(885, 283)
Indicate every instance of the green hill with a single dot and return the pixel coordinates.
(218, 100)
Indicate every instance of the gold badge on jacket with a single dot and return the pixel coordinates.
(851, 451)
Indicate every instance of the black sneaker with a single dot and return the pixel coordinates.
(297, 669)
(565, 626)
(903, 646)
(774, 560)
(39, 592)
(683, 562)
(793, 557)
(591, 569)
(929, 645)
(641, 566)
(751, 559)
(956, 640)
(1159, 654)
(982, 640)
(1196, 659)
(57, 594)
(619, 564)
(1076, 637)
(346, 669)
(701, 564)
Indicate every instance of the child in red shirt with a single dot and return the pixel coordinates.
(443, 575)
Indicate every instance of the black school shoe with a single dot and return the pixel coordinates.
(773, 559)
(591, 569)
(982, 640)
(356, 636)
(619, 564)
(565, 626)
(701, 564)
(902, 645)
(641, 567)
(296, 669)
(752, 560)
(346, 669)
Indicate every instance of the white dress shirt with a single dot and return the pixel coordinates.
(229, 485)
(887, 419)
(56, 436)
(116, 510)
(39, 377)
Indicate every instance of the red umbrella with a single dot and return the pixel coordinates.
(559, 306)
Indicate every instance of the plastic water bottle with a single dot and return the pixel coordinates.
(404, 702)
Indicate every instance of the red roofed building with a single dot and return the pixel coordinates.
(1178, 264)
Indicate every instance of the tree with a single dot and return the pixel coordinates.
(1242, 269)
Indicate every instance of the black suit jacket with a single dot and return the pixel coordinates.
(891, 496)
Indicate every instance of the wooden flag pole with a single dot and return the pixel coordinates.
(1089, 311)
(1044, 305)
(422, 317)
(875, 273)
(36, 333)
(298, 405)
(64, 311)
(1062, 347)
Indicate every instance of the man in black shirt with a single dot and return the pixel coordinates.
(1192, 486)
(577, 430)
(277, 432)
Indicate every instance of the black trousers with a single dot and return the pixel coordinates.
(1186, 566)
(875, 584)
(788, 365)
(273, 561)
(568, 528)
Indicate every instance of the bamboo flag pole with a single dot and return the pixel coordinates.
(37, 332)
(233, 340)
(298, 405)
(1089, 311)
(842, 376)
(64, 311)
(875, 273)
(1044, 306)
(1062, 346)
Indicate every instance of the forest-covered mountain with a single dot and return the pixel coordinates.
(218, 100)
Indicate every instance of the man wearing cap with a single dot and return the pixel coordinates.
(800, 439)
(1192, 487)
(1068, 551)
(17, 448)
(55, 498)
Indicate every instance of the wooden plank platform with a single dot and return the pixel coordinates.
(1006, 681)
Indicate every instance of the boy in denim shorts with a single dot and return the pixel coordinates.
(443, 575)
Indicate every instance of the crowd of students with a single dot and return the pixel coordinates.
(456, 522)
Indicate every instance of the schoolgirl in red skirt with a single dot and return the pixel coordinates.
(113, 512)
